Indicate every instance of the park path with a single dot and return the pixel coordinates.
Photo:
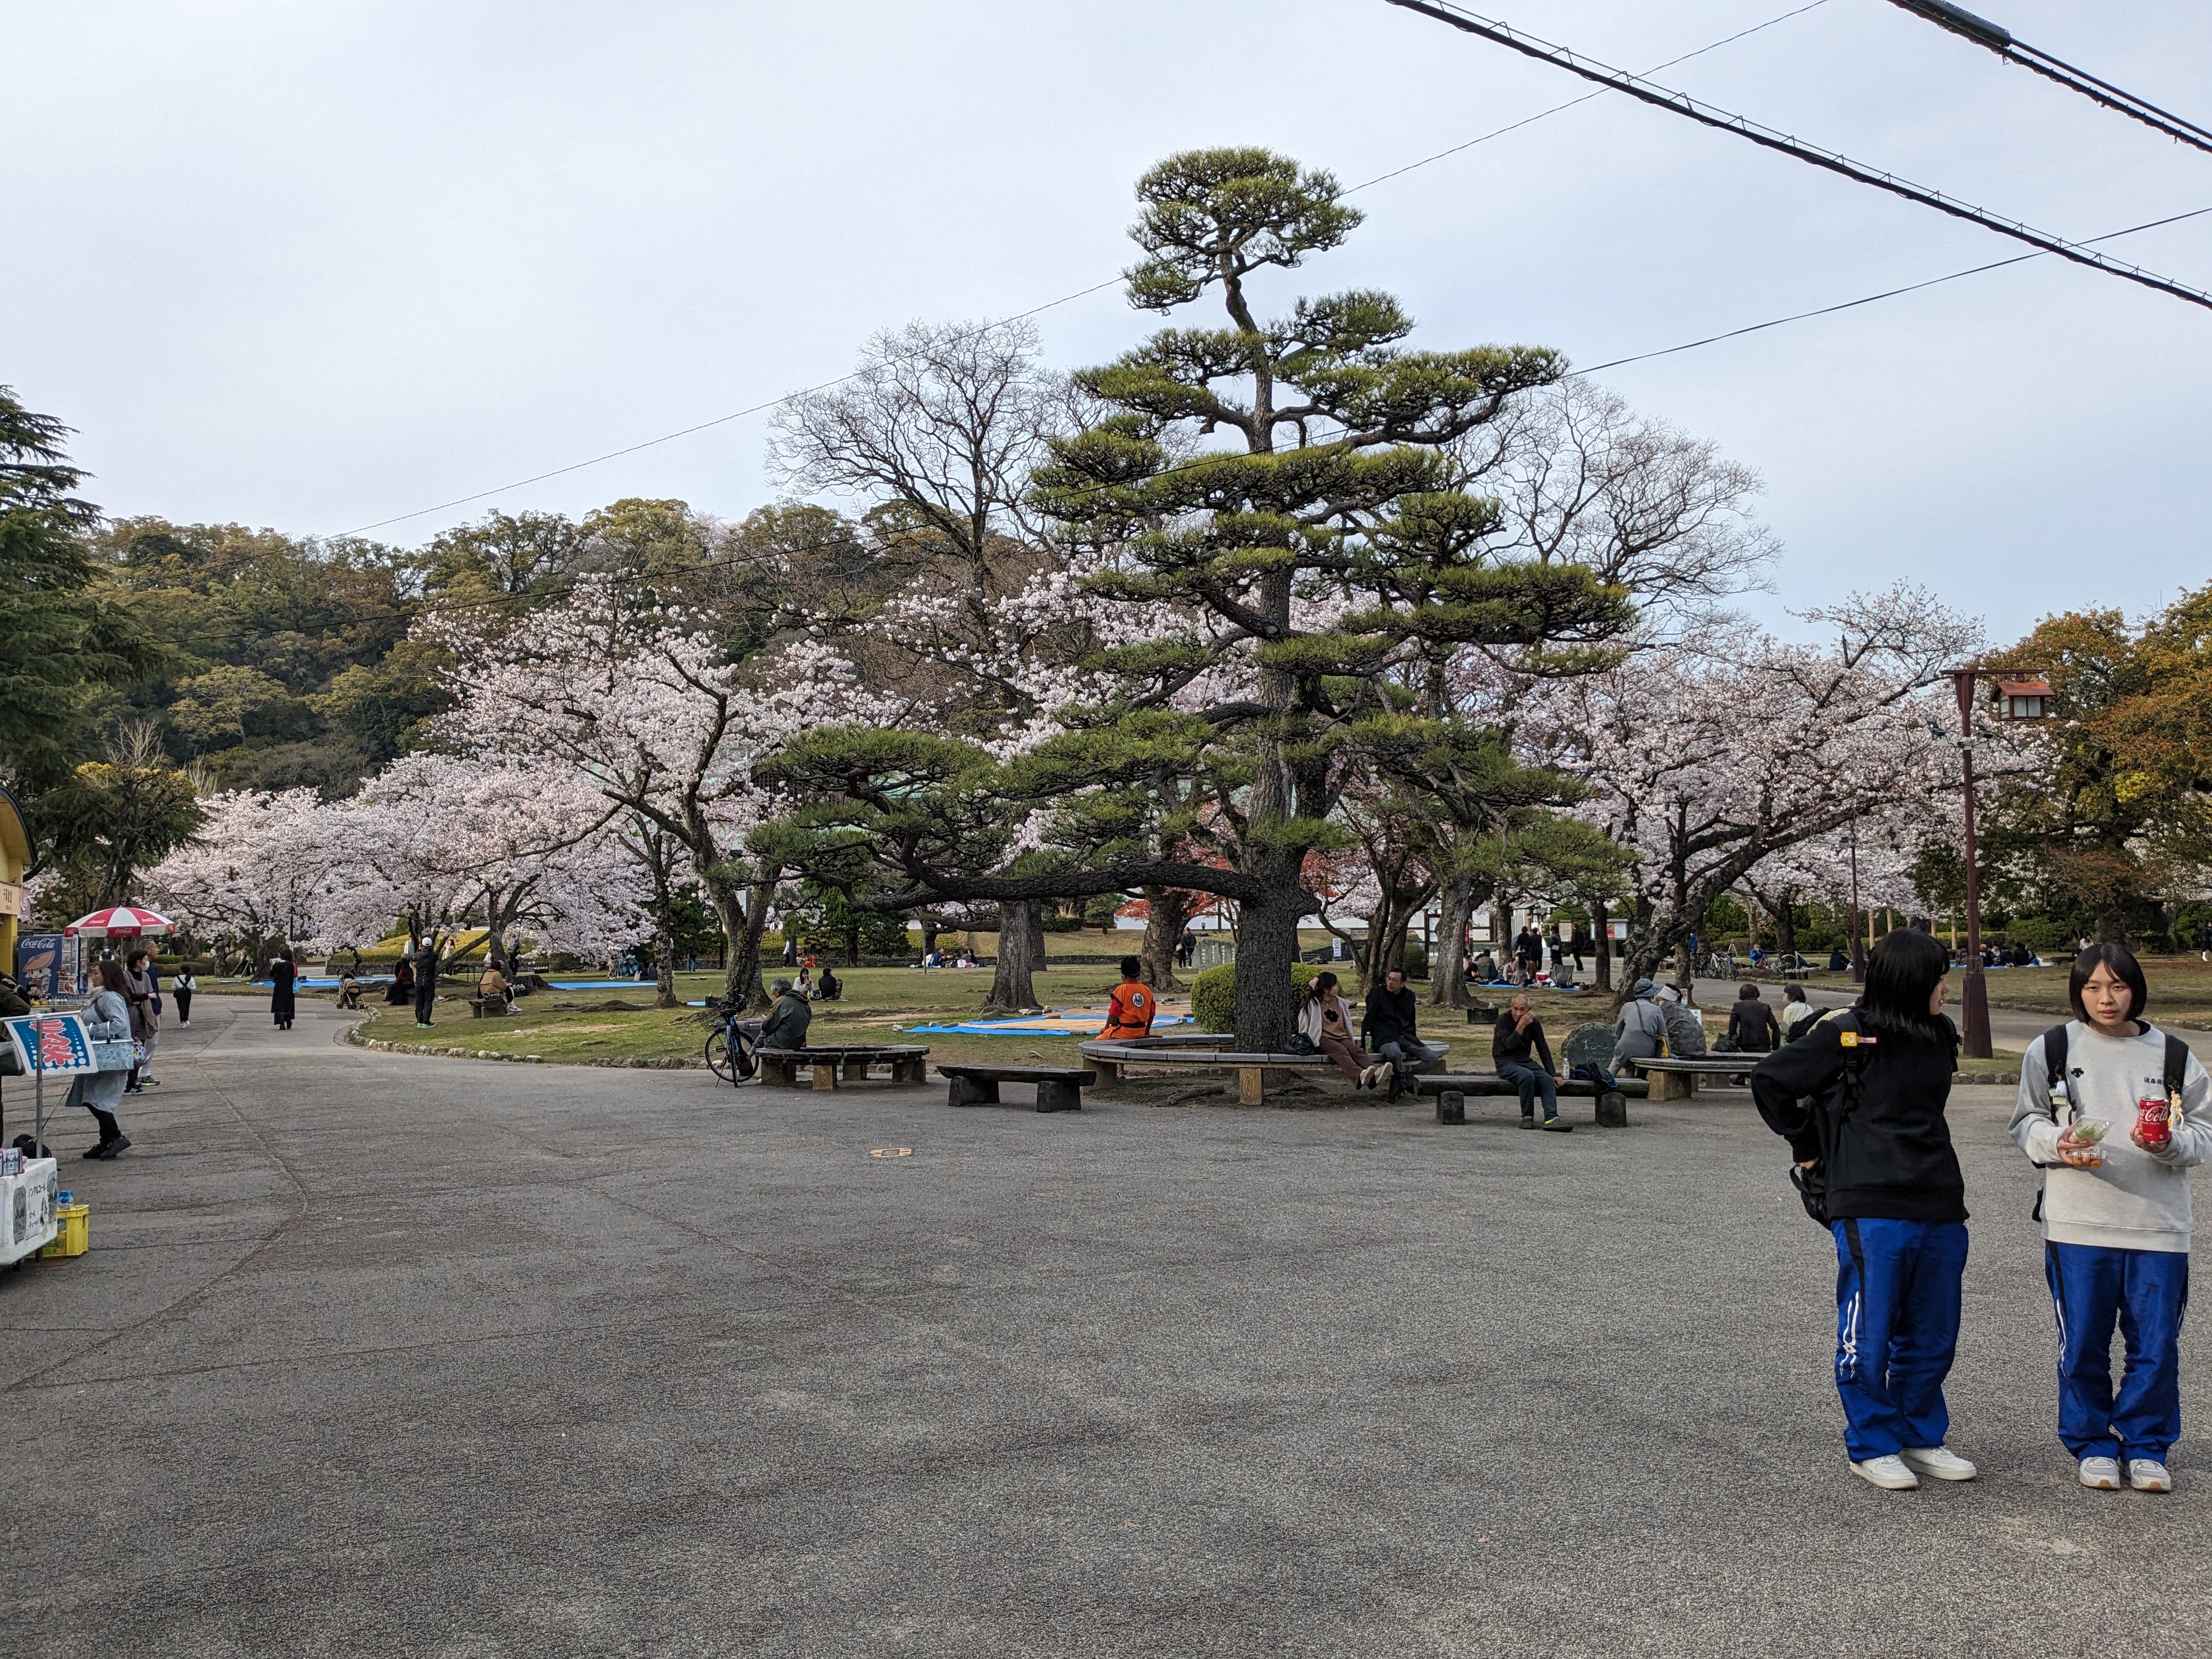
(376, 1355)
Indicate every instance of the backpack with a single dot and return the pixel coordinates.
(1685, 1031)
(1812, 1184)
(2054, 1065)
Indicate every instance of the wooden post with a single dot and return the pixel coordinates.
(825, 1074)
(1249, 1090)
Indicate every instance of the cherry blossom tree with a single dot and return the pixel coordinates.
(1706, 758)
(259, 871)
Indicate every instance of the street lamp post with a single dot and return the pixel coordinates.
(1973, 991)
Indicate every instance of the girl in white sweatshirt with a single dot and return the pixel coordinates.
(2115, 1215)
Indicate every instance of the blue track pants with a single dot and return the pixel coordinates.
(1897, 1328)
(2146, 1291)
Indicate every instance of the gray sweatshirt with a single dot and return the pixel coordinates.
(2136, 1201)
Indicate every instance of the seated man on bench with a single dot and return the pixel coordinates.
(785, 1028)
(1391, 1029)
(1519, 1031)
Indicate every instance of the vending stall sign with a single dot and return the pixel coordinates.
(51, 1042)
(38, 965)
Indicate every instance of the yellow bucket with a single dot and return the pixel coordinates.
(74, 1237)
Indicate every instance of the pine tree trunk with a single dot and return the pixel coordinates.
(1446, 977)
(1168, 910)
(1021, 948)
(1266, 945)
(1601, 925)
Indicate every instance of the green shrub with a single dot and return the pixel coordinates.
(1214, 995)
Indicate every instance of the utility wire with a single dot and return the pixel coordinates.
(1034, 311)
(434, 607)
(1999, 39)
(1767, 137)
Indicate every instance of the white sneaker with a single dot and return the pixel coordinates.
(2101, 1473)
(1887, 1472)
(1938, 1463)
(2148, 1474)
(1374, 1074)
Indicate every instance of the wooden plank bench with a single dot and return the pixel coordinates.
(1057, 1089)
(1106, 1059)
(1451, 1089)
(1676, 1079)
(833, 1067)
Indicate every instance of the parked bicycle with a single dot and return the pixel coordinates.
(731, 1045)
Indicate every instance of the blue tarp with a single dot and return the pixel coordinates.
(1032, 1025)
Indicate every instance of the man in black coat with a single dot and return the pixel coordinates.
(426, 979)
(1391, 1029)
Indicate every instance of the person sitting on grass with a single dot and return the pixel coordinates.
(1129, 1012)
(785, 1028)
(1519, 1031)
(348, 989)
(491, 989)
(831, 987)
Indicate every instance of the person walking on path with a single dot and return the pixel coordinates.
(785, 1028)
(183, 986)
(1860, 1099)
(107, 1020)
(145, 995)
(1392, 1029)
(1323, 1019)
(1519, 1031)
(281, 1002)
(1130, 1010)
(1752, 1026)
(426, 982)
(2116, 1213)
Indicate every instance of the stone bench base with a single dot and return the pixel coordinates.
(1057, 1090)
(1451, 1092)
(834, 1067)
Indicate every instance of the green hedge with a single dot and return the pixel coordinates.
(1214, 995)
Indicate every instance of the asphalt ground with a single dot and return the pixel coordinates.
(376, 1354)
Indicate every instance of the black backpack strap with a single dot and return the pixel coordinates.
(2177, 1068)
(2054, 1054)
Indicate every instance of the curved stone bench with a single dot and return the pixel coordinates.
(1194, 1049)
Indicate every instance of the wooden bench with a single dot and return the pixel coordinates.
(1452, 1089)
(1057, 1090)
(1106, 1059)
(833, 1067)
(1675, 1079)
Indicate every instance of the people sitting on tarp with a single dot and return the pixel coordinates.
(785, 1028)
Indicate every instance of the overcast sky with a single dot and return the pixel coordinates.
(315, 266)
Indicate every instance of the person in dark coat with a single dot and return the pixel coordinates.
(1516, 1048)
(426, 980)
(1752, 1025)
(785, 1028)
(401, 991)
(1860, 1100)
(281, 1003)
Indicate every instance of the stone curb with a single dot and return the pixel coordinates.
(355, 1037)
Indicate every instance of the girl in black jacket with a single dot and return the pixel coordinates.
(1862, 1101)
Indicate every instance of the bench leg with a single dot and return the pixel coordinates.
(1612, 1109)
(783, 1074)
(1673, 1085)
(910, 1071)
(1104, 1074)
(967, 1091)
(1250, 1086)
(1059, 1097)
(825, 1074)
(1451, 1106)
(856, 1070)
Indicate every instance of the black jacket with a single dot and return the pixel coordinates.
(1751, 1024)
(1507, 1043)
(1389, 1017)
(1892, 1154)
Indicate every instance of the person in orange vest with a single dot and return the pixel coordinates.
(1130, 1013)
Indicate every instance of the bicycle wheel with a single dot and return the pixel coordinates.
(718, 1057)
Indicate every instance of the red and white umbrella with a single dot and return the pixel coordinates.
(119, 921)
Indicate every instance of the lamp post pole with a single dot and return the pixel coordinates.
(1859, 944)
(1974, 990)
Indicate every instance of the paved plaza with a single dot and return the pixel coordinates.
(379, 1355)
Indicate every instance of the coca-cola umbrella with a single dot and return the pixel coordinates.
(119, 921)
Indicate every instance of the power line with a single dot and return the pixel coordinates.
(1999, 39)
(1767, 137)
(1034, 311)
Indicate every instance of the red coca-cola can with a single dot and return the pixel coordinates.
(2151, 1122)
